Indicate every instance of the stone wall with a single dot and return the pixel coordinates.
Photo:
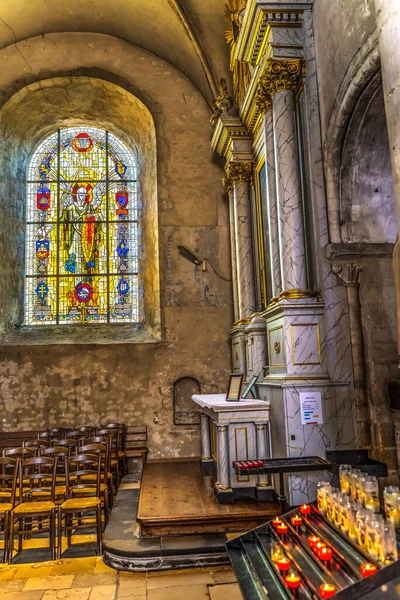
(59, 384)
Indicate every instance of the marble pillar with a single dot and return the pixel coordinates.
(233, 258)
(223, 457)
(288, 186)
(244, 249)
(256, 356)
(262, 451)
(272, 209)
(205, 438)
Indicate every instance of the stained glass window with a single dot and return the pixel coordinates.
(82, 230)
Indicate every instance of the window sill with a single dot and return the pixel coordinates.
(79, 334)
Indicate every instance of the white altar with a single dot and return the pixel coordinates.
(234, 431)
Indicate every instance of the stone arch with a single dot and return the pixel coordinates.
(40, 109)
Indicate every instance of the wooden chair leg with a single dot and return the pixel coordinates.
(99, 529)
(11, 540)
(6, 532)
(106, 508)
(68, 520)
(52, 534)
(59, 533)
(20, 535)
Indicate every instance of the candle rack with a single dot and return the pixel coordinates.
(342, 577)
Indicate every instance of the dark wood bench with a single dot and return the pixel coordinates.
(135, 442)
(14, 439)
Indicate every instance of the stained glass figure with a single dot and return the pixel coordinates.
(82, 230)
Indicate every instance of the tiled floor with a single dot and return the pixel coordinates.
(90, 579)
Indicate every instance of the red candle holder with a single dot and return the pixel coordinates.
(305, 510)
(325, 554)
(313, 540)
(318, 547)
(276, 521)
(293, 581)
(296, 521)
(283, 564)
(368, 569)
(327, 590)
(281, 529)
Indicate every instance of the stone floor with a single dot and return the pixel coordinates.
(90, 579)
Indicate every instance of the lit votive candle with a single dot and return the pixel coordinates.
(312, 540)
(275, 522)
(296, 521)
(327, 590)
(283, 564)
(282, 529)
(318, 547)
(305, 509)
(368, 569)
(293, 581)
(325, 554)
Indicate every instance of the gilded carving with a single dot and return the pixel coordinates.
(238, 172)
(279, 75)
(277, 347)
(222, 103)
(240, 70)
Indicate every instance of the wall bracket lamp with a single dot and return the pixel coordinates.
(196, 260)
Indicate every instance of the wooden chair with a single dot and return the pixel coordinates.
(114, 436)
(37, 444)
(60, 453)
(70, 444)
(106, 486)
(82, 496)
(43, 435)
(22, 453)
(8, 484)
(58, 432)
(41, 474)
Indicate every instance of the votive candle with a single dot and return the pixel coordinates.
(293, 581)
(327, 590)
(281, 529)
(368, 569)
(283, 564)
(305, 509)
(296, 521)
(325, 554)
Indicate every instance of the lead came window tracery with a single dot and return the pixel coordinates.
(82, 230)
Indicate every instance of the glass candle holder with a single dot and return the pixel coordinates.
(391, 494)
(388, 546)
(360, 481)
(322, 488)
(276, 551)
(374, 529)
(337, 509)
(361, 530)
(352, 482)
(344, 473)
(351, 517)
(345, 510)
(371, 494)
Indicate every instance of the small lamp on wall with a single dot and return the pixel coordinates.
(196, 260)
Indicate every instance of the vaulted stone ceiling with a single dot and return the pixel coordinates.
(188, 34)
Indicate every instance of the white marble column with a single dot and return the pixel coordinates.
(388, 25)
(205, 437)
(261, 441)
(272, 209)
(288, 186)
(223, 458)
(244, 249)
(233, 258)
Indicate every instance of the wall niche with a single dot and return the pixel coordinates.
(185, 411)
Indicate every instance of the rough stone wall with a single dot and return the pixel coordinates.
(59, 384)
(341, 27)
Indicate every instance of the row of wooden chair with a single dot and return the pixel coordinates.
(38, 485)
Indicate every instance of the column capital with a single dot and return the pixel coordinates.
(349, 273)
(238, 172)
(280, 75)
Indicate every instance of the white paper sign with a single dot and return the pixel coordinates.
(311, 408)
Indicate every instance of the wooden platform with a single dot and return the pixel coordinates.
(177, 498)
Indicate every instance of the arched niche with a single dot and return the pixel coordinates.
(31, 114)
(185, 410)
(367, 205)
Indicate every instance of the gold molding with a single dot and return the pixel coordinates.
(238, 172)
(305, 364)
(272, 366)
(294, 294)
(278, 377)
(260, 229)
(279, 75)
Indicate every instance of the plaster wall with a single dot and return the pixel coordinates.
(48, 385)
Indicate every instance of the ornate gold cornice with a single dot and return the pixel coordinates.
(238, 172)
(278, 76)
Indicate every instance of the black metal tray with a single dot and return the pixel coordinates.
(287, 465)
(358, 459)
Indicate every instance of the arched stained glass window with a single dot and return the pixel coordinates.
(82, 230)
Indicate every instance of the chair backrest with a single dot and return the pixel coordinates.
(43, 435)
(56, 451)
(87, 429)
(38, 444)
(114, 436)
(22, 452)
(79, 466)
(9, 468)
(122, 430)
(37, 475)
(101, 449)
(58, 432)
(71, 444)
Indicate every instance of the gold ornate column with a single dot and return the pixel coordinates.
(238, 178)
(278, 86)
